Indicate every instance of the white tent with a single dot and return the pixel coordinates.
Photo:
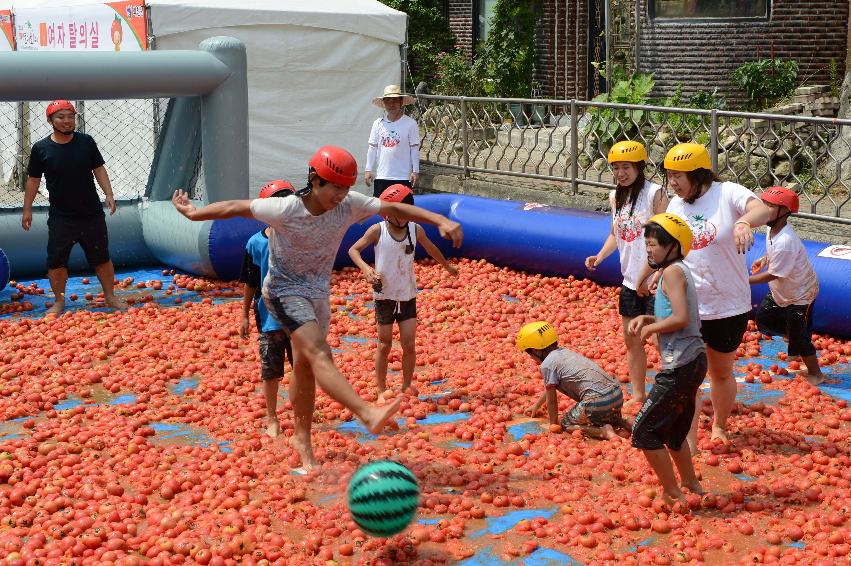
(313, 68)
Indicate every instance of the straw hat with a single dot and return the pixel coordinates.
(393, 91)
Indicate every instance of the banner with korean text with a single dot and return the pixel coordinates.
(7, 32)
(112, 26)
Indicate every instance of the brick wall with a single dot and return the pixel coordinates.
(556, 41)
(702, 55)
(460, 15)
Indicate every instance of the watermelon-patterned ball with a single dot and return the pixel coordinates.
(383, 498)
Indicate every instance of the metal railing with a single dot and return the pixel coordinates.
(126, 132)
(568, 141)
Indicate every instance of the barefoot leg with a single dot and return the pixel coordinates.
(385, 344)
(270, 393)
(660, 461)
(106, 275)
(636, 360)
(723, 389)
(303, 398)
(408, 340)
(58, 280)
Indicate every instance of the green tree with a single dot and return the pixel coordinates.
(508, 55)
(428, 35)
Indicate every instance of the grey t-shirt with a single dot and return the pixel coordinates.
(302, 247)
(576, 376)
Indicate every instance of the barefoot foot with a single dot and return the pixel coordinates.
(57, 309)
(694, 488)
(381, 398)
(273, 428)
(672, 496)
(376, 417)
(813, 379)
(305, 453)
(719, 433)
(609, 432)
(115, 303)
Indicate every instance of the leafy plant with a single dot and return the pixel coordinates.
(834, 78)
(428, 36)
(708, 100)
(508, 57)
(458, 77)
(610, 125)
(766, 81)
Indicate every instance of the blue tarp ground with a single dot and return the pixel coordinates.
(76, 286)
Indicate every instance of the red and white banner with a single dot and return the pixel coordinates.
(7, 32)
(836, 252)
(112, 26)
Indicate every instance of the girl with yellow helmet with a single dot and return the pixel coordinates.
(666, 417)
(633, 202)
(720, 215)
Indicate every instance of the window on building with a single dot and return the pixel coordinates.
(709, 9)
(483, 14)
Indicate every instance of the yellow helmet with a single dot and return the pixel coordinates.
(538, 335)
(628, 151)
(687, 157)
(677, 228)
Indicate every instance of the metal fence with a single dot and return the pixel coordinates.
(568, 141)
(126, 132)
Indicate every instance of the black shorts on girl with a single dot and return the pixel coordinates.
(665, 417)
(795, 322)
(388, 312)
(632, 305)
(724, 334)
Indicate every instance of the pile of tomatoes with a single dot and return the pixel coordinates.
(85, 480)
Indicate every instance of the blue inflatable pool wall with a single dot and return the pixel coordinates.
(555, 241)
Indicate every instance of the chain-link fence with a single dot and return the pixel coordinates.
(568, 140)
(126, 132)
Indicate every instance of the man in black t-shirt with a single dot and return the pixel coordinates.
(70, 162)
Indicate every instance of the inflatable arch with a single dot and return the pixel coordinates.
(210, 97)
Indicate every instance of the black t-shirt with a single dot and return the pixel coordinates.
(67, 168)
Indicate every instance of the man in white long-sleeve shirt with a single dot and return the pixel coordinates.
(394, 144)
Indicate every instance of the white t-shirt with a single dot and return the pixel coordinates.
(395, 266)
(797, 283)
(394, 141)
(628, 225)
(720, 273)
(302, 247)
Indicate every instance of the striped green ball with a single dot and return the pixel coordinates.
(383, 498)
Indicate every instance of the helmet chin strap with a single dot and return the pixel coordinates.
(665, 261)
(777, 218)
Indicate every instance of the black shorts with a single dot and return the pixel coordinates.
(63, 233)
(379, 185)
(388, 312)
(724, 334)
(632, 305)
(795, 322)
(665, 418)
(275, 348)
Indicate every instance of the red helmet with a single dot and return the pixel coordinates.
(781, 196)
(274, 187)
(58, 105)
(398, 193)
(335, 165)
